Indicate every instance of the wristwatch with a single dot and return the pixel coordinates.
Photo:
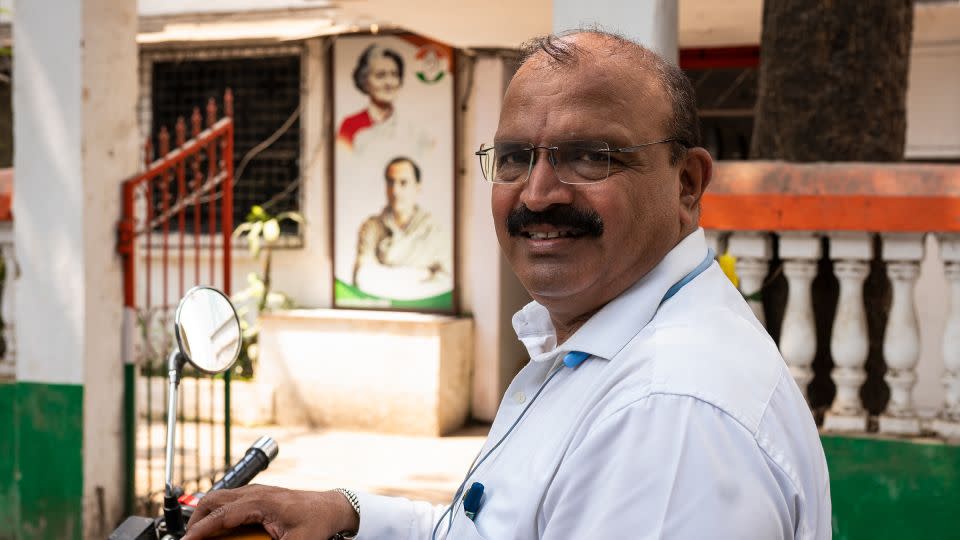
(355, 503)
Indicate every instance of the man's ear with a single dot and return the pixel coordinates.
(696, 170)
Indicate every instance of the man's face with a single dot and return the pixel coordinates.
(638, 203)
(383, 79)
(402, 187)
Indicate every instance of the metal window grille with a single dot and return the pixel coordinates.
(726, 99)
(266, 90)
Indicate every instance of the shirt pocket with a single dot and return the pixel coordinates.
(465, 529)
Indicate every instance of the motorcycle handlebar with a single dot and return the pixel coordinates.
(258, 458)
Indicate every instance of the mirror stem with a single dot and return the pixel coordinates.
(175, 366)
(173, 515)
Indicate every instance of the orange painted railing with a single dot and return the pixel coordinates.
(873, 197)
(172, 166)
(164, 209)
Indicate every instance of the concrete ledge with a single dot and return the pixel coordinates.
(381, 371)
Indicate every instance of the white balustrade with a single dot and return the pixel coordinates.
(901, 342)
(8, 361)
(798, 336)
(753, 251)
(849, 342)
(948, 423)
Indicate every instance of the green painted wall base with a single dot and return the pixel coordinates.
(893, 489)
(41, 461)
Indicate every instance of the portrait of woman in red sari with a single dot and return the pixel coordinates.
(379, 75)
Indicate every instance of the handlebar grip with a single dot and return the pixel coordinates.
(257, 458)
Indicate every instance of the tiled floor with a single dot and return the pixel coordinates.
(423, 468)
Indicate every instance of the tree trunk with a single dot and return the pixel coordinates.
(833, 80)
(832, 87)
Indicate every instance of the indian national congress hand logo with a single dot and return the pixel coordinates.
(431, 63)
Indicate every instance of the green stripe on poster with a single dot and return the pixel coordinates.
(347, 295)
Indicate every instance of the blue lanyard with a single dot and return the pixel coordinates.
(675, 288)
(571, 360)
(575, 358)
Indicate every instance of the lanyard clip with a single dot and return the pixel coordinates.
(471, 500)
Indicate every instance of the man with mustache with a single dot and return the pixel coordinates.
(654, 405)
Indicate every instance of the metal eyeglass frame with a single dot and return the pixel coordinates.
(483, 152)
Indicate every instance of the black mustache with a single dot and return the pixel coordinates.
(587, 222)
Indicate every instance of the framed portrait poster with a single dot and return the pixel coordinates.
(393, 178)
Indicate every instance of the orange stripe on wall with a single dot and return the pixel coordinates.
(785, 212)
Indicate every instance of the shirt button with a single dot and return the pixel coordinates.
(519, 397)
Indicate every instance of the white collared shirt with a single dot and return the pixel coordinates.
(683, 423)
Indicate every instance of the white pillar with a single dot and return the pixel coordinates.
(490, 290)
(753, 251)
(652, 23)
(901, 341)
(74, 93)
(798, 336)
(849, 343)
(948, 423)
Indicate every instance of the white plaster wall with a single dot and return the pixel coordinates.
(653, 23)
(488, 286)
(75, 129)
(307, 274)
(49, 229)
(110, 155)
(933, 105)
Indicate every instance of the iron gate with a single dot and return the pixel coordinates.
(175, 233)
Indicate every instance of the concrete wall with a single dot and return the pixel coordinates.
(74, 96)
(933, 108)
(109, 147)
(491, 292)
(653, 23)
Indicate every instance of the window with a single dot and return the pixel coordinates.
(266, 89)
(725, 81)
(725, 99)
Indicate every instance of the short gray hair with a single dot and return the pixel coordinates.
(684, 123)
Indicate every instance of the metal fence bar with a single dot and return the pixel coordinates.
(160, 224)
(226, 148)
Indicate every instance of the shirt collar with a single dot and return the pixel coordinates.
(611, 328)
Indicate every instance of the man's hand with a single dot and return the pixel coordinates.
(285, 514)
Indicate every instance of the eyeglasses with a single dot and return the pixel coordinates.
(575, 162)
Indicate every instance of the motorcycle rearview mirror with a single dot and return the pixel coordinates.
(208, 336)
(208, 330)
